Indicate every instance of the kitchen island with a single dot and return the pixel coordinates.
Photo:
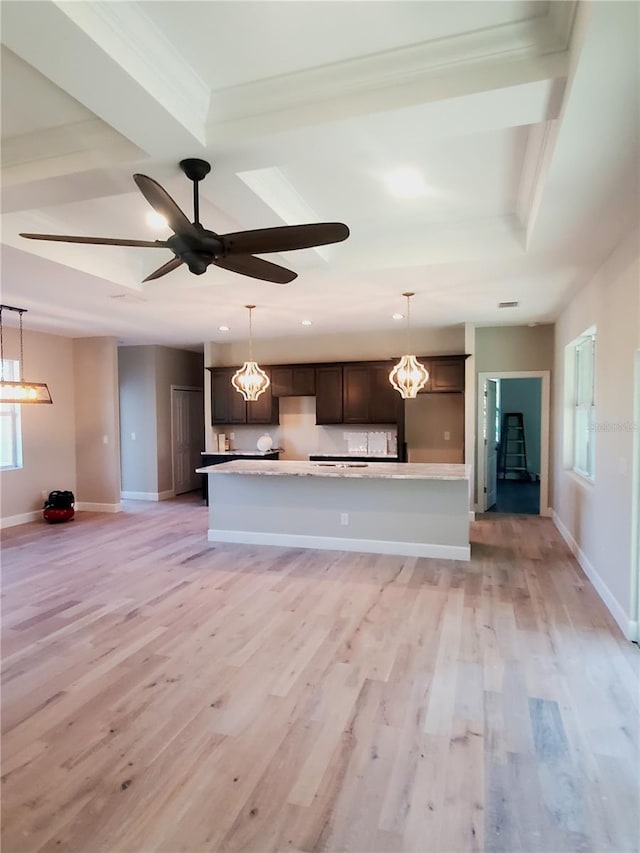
(386, 508)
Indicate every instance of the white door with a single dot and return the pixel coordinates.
(188, 438)
(490, 444)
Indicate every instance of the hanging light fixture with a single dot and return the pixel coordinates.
(409, 376)
(19, 391)
(250, 380)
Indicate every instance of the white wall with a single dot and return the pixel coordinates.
(596, 519)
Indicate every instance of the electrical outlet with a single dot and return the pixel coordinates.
(344, 518)
(105, 439)
(133, 436)
(44, 494)
(447, 435)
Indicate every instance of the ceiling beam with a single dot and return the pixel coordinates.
(113, 60)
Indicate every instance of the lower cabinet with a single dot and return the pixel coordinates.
(219, 458)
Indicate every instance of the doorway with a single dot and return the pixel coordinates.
(187, 437)
(513, 442)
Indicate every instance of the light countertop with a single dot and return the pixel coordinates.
(240, 452)
(364, 470)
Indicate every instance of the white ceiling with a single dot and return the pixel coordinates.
(521, 117)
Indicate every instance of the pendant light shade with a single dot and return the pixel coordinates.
(250, 380)
(409, 376)
(19, 391)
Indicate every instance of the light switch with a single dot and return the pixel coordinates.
(105, 439)
(133, 436)
(447, 435)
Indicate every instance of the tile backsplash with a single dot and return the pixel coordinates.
(300, 436)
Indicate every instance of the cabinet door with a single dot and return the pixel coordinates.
(281, 381)
(220, 381)
(237, 405)
(329, 395)
(303, 382)
(447, 374)
(356, 393)
(385, 401)
(264, 410)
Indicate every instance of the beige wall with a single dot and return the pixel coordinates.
(97, 421)
(428, 418)
(514, 348)
(138, 434)
(354, 346)
(173, 367)
(146, 376)
(48, 432)
(597, 517)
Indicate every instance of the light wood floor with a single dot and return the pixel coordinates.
(161, 693)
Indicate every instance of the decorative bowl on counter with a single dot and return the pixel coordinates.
(265, 443)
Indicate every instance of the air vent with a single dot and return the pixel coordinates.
(508, 304)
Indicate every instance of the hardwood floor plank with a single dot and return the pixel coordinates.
(161, 693)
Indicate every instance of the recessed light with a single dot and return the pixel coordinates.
(306, 322)
(156, 220)
(223, 328)
(406, 183)
(397, 316)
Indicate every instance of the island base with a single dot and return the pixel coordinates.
(408, 517)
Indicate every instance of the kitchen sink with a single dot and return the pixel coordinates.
(341, 464)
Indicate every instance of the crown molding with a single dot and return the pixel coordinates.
(70, 148)
(130, 37)
(406, 68)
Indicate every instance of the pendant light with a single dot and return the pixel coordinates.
(250, 380)
(409, 376)
(19, 391)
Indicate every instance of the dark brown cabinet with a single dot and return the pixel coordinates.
(385, 405)
(329, 394)
(447, 374)
(293, 381)
(368, 396)
(229, 407)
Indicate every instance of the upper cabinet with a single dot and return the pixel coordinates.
(296, 380)
(229, 407)
(368, 396)
(329, 394)
(351, 393)
(446, 373)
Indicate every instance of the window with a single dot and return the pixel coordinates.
(584, 361)
(10, 427)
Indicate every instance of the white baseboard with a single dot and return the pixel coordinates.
(336, 543)
(628, 627)
(87, 506)
(23, 518)
(147, 496)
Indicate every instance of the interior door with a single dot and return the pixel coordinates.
(490, 444)
(188, 439)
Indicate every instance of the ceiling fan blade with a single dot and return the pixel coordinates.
(257, 268)
(103, 241)
(173, 264)
(284, 238)
(162, 203)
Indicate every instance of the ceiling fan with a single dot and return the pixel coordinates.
(195, 246)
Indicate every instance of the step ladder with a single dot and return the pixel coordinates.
(513, 449)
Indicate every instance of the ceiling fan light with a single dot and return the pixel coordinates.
(409, 376)
(24, 392)
(250, 381)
